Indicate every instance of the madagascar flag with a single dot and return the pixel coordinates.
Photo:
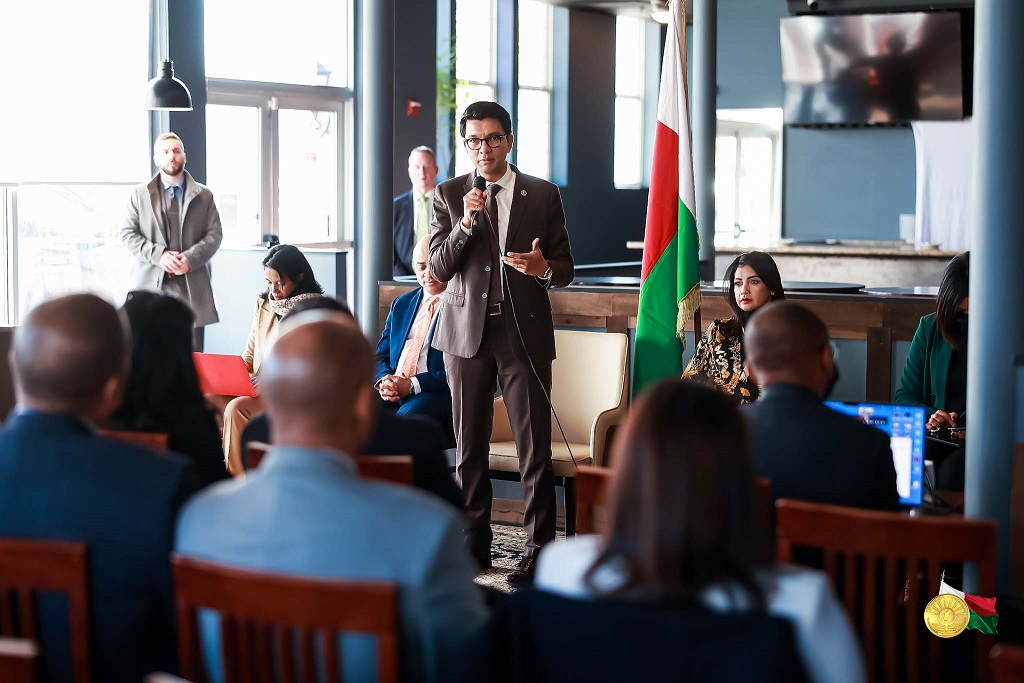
(670, 278)
(983, 610)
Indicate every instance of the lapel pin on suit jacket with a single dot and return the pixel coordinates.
(523, 192)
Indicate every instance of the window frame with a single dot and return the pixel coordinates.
(547, 88)
(269, 99)
(641, 97)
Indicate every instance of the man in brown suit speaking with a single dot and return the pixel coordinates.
(173, 230)
(499, 240)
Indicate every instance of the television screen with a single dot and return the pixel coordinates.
(872, 68)
(904, 426)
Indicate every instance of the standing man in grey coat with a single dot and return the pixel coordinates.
(173, 230)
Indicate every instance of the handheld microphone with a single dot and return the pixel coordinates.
(478, 184)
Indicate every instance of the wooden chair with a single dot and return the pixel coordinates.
(28, 567)
(885, 567)
(19, 660)
(154, 440)
(592, 484)
(268, 622)
(1007, 663)
(588, 417)
(255, 452)
(394, 468)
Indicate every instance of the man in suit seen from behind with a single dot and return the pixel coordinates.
(499, 249)
(306, 511)
(809, 451)
(173, 230)
(412, 208)
(60, 481)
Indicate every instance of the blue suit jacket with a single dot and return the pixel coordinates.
(59, 481)
(405, 234)
(396, 331)
(306, 511)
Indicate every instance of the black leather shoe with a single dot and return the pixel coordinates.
(523, 574)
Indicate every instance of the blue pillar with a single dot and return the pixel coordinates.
(374, 234)
(995, 414)
(705, 125)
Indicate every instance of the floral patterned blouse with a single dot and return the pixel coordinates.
(717, 361)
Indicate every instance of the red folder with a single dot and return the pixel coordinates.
(222, 374)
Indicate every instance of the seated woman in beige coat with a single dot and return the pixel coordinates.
(289, 280)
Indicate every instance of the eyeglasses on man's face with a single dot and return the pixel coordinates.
(492, 141)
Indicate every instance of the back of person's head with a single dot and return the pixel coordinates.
(316, 382)
(318, 303)
(764, 265)
(163, 375)
(786, 342)
(682, 515)
(478, 111)
(291, 263)
(953, 289)
(71, 354)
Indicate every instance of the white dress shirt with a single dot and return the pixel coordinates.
(421, 363)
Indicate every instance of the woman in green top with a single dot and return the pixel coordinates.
(935, 375)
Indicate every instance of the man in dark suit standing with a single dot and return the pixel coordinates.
(809, 451)
(408, 374)
(499, 251)
(60, 481)
(412, 208)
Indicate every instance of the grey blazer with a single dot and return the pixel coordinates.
(465, 262)
(145, 235)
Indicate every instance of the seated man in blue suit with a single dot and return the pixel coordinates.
(306, 511)
(60, 481)
(409, 374)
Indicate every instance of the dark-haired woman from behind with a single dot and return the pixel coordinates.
(162, 393)
(682, 528)
(289, 280)
(752, 280)
(935, 375)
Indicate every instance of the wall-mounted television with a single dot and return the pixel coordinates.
(874, 68)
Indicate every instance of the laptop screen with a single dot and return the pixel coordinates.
(905, 427)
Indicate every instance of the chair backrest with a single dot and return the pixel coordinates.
(19, 660)
(589, 376)
(154, 440)
(394, 468)
(592, 484)
(1007, 663)
(28, 567)
(269, 622)
(255, 452)
(886, 567)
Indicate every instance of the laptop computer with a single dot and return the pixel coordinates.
(905, 426)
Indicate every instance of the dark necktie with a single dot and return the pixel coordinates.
(173, 220)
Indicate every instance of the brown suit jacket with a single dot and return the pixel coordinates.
(462, 261)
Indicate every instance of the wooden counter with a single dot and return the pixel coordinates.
(877, 320)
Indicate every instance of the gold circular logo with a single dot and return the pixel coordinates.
(946, 615)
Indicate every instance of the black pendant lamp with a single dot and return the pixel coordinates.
(167, 93)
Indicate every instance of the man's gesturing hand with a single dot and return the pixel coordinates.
(530, 263)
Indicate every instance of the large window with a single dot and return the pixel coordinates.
(279, 123)
(748, 167)
(475, 61)
(630, 47)
(64, 188)
(533, 128)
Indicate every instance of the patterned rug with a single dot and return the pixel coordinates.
(507, 550)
